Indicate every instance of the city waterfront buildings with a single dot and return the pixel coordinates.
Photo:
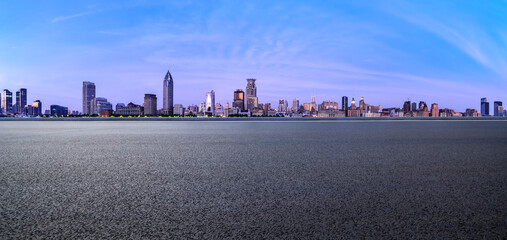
(353, 111)
(150, 104)
(168, 97)
(88, 98)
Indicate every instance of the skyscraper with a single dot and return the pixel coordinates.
(295, 105)
(21, 100)
(406, 107)
(251, 94)
(6, 102)
(88, 98)
(484, 107)
(210, 103)
(150, 104)
(167, 108)
(414, 107)
(282, 105)
(314, 101)
(434, 110)
(497, 110)
(345, 104)
(239, 99)
(422, 105)
(15, 108)
(37, 108)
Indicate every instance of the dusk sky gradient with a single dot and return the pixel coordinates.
(448, 52)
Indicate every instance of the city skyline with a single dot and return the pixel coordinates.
(297, 50)
(99, 106)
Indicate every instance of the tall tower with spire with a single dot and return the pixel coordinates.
(168, 94)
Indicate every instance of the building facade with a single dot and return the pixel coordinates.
(434, 110)
(179, 110)
(150, 104)
(57, 110)
(88, 98)
(209, 103)
(484, 107)
(101, 104)
(21, 100)
(498, 108)
(6, 102)
(345, 103)
(251, 94)
(239, 99)
(130, 109)
(168, 89)
(406, 107)
(37, 108)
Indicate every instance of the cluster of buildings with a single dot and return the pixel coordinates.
(245, 104)
(21, 106)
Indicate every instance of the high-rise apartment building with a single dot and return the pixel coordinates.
(6, 102)
(345, 103)
(20, 100)
(497, 110)
(406, 107)
(484, 107)
(88, 98)
(282, 105)
(295, 105)
(37, 108)
(150, 104)
(414, 107)
(168, 99)
(239, 99)
(434, 110)
(251, 94)
(209, 103)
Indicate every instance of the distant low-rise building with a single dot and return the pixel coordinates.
(57, 110)
(130, 110)
(331, 113)
(470, 112)
(179, 110)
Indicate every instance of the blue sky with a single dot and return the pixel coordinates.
(449, 52)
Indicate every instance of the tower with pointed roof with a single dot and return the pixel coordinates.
(168, 94)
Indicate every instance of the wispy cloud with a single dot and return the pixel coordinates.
(63, 18)
(484, 46)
